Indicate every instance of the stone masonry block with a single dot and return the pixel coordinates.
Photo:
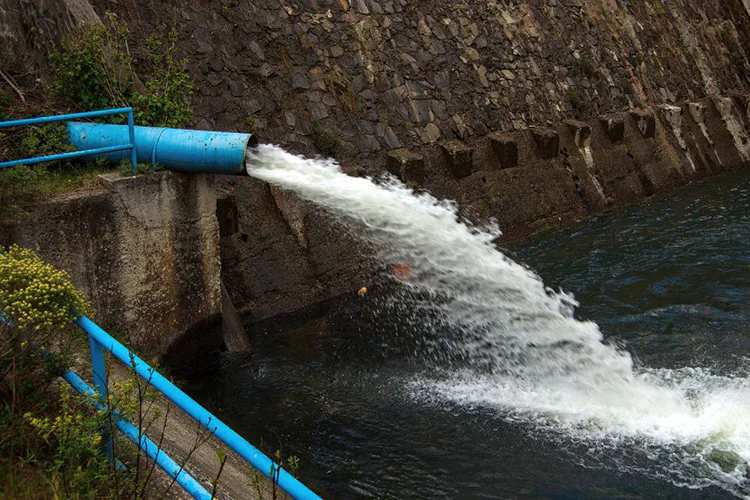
(505, 148)
(406, 165)
(547, 142)
(459, 157)
(697, 111)
(581, 132)
(645, 121)
(614, 127)
(742, 101)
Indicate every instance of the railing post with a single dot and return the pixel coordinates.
(131, 132)
(99, 369)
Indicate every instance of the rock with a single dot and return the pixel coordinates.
(257, 50)
(360, 6)
(547, 142)
(614, 127)
(697, 112)
(319, 111)
(368, 144)
(299, 81)
(581, 132)
(202, 46)
(459, 157)
(406, 165)
(505, 148)
(391, 139)
(473, 54)
(265, 70)
(430, 133)
(645, 121)
(727, 460)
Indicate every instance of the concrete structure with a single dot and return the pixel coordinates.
(145, 250)
(533, 113)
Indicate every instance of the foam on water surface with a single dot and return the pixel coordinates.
(517, 344)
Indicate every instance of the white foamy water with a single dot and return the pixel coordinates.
(521, 349)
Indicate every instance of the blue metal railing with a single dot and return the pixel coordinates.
(75, 154)
(101, 341)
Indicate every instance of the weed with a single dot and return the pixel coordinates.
(587, 67)
(94, 70)
(54, 437)
(337, 81)
(167, 102)
(126, 168)
(24, 184)
(658, 8)
(5, 102)
(325, 141)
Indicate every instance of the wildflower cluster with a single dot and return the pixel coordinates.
(34, 294)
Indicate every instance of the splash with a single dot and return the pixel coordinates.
(516, 344)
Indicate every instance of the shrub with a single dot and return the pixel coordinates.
(19, 186)
(94, 70)
(326, 141)
(35, 294)
(167, 100)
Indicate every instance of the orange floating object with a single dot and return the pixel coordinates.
(400, 271)
(362, 291)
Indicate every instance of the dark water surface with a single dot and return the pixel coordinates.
(667, 279)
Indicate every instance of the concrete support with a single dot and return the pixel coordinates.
(505, 149)
(145, 250)
(459, 157)
(407, 166)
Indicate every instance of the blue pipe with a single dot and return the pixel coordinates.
(129, 146)
(195, 151)
(155, 453)
(252, 455)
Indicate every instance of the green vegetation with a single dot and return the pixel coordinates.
(587, 67)
(21, 185)
(51, 443)
(339, 84)
(48, 444)
(326, 141)
(92, 70)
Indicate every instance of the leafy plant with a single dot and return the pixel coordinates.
(326, 141)
(167, 100)
(339, 84)
(73, 437)
(94, 70)
(35, 294)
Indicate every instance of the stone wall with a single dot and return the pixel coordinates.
(386, 74)
(530, 112)
(145, 250)
(30, 29)
(280, 254)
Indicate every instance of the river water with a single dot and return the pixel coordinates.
(625, 372)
